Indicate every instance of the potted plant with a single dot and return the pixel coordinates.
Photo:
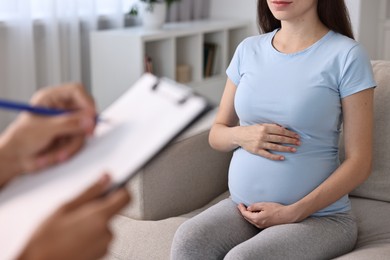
(131, 17)
(154, 12)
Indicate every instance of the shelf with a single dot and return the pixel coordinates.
(118, 57)
(235, 37)
(218, 40)
(187, 53)
(158, 51)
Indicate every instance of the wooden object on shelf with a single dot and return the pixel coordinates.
(118, 56)
(183, 73)
(148, 64)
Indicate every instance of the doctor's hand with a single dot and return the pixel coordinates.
(267, 214)
(34, 142)
(261, 139)
(80, 228)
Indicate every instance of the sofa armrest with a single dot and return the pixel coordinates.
(185, 176)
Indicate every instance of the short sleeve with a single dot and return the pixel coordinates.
(357, 73)
(233, 71)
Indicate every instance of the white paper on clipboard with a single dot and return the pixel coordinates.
(141, 123)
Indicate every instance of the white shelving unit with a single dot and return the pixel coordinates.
(118, 56)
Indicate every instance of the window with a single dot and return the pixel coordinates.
(41, 8)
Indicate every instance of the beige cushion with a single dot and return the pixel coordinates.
(374, 230)
(165, 187)
(378, 184)
(140, 239)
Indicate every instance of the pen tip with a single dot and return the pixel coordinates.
(103, 120)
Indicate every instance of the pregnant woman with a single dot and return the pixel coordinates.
(288, 92)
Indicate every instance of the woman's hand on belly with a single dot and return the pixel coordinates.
(267, 214)
(260, 139)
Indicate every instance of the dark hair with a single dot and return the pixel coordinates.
(332, 13)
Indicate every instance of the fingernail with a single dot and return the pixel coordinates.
(282, 158)
(86, 123)
(62, 157)
(293, 150)
(42, 162)
(104, 180)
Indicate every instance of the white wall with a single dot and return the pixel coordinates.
(369, 27)
(239, 9)
(365, 18)
(354, 7)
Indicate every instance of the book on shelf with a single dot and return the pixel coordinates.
(210, 50)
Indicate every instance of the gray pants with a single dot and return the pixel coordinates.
(221, 232)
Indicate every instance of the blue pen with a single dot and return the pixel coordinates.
(19, 106)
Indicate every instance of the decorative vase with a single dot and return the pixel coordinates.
(153, 15)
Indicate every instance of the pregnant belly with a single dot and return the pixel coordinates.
(254, 179)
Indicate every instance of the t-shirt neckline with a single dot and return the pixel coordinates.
(317, 43)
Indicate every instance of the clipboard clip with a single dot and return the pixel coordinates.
(180, 101)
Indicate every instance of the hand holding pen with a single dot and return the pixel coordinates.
(53, 128)
(37, 140)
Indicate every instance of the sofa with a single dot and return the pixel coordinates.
(189, 176)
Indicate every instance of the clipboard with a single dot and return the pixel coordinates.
(141, 123)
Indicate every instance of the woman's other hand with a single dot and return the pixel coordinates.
(261, 139)
(267, 214)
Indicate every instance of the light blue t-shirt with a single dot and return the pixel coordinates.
(302, 92)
